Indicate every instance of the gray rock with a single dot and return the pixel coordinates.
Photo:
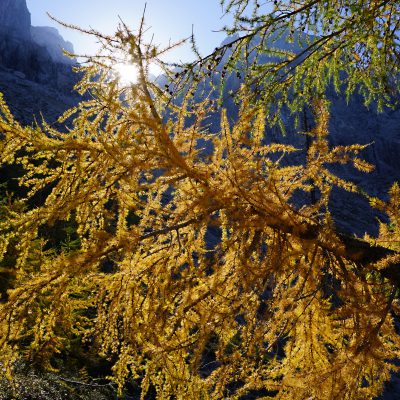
(31, 101)
(19, 74)
(35, 52)
(35, 62)
(15, 18)
(35, 77)
(53, 42)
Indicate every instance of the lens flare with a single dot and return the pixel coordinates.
(127, 73)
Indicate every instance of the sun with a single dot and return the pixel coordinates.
(127, 73)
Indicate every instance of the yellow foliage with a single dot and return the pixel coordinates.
(275, 301)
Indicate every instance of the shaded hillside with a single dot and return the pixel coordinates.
(35, 77)
(28, 99)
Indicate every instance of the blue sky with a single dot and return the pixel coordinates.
(167, 19)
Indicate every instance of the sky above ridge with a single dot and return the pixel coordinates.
(166, 19)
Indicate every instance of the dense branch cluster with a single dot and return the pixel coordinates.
(195, 272)
(286, 47)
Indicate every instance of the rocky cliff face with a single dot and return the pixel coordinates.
(30, 101)
(53, 42)
(35, 77)
(15, 19)
(34, 62)
(35, 52)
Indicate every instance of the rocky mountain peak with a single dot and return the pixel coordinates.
(15, 18)
(35, 77)
(33, 53)
(53, 42)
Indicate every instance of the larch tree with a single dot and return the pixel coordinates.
(194, 272)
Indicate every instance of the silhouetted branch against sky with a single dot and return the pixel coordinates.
(167, 20)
